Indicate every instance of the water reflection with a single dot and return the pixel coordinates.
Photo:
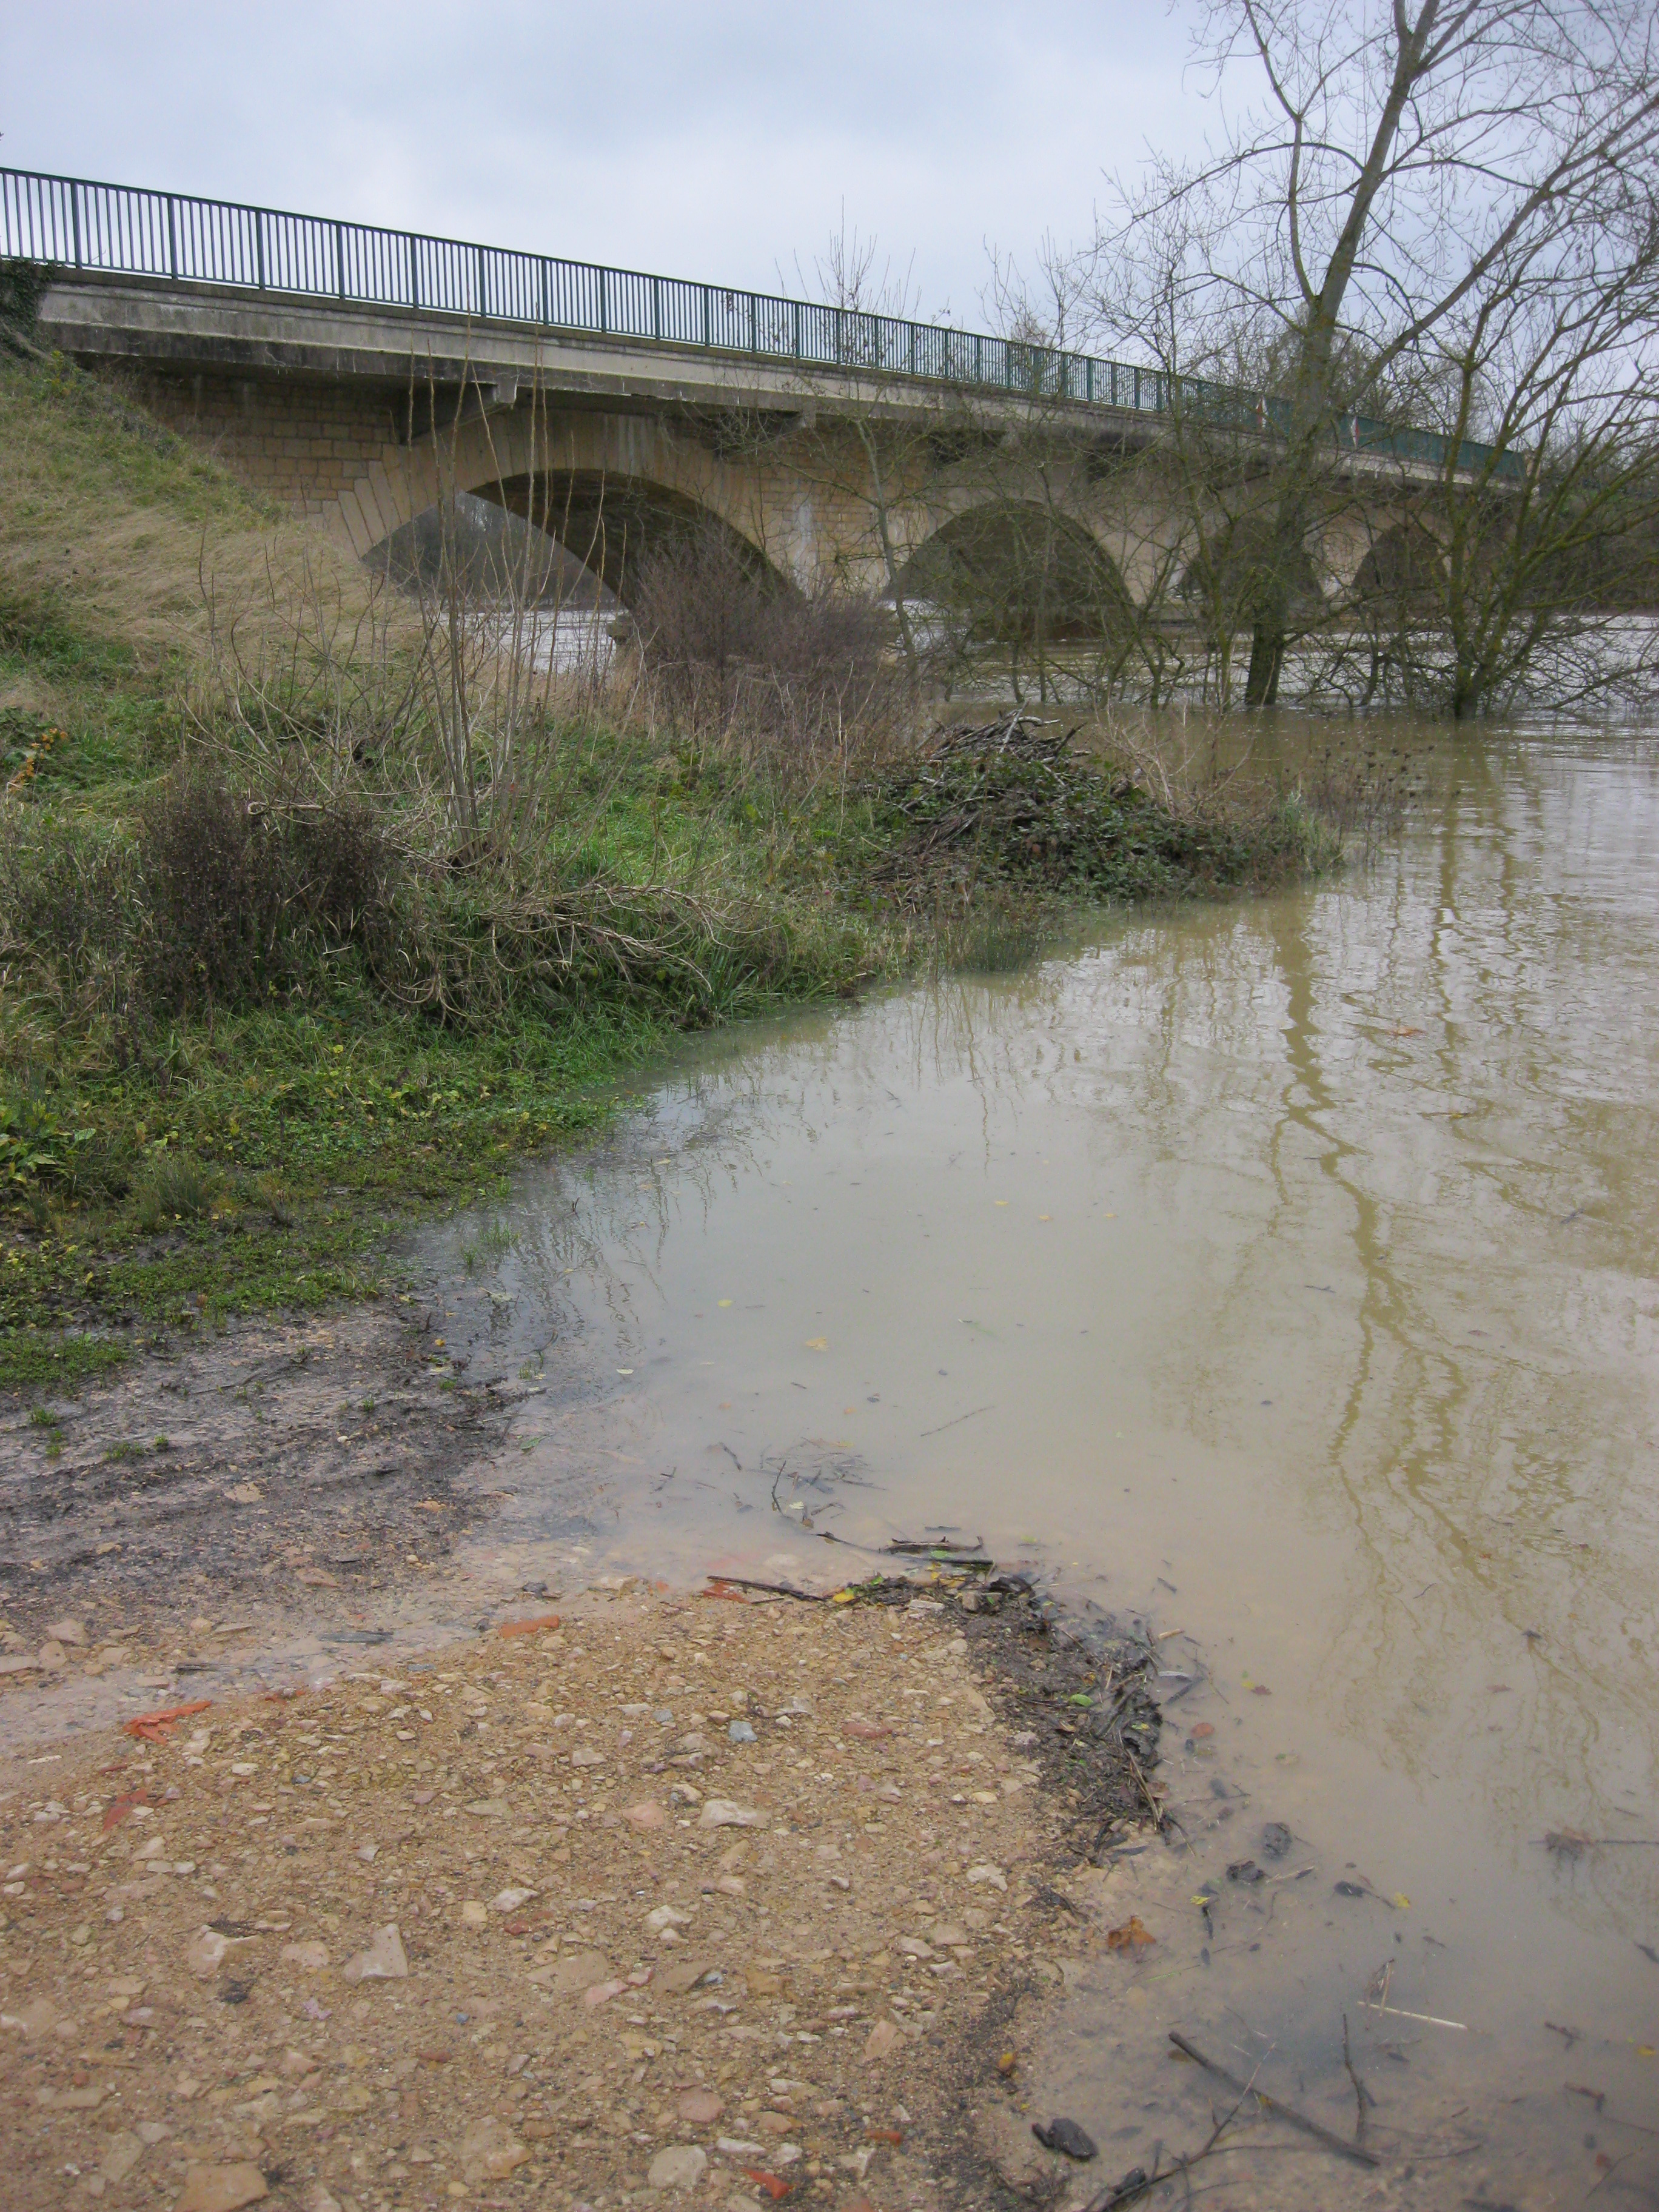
(1290, 1262)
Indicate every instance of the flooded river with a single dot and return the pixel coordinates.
(1279, 1274)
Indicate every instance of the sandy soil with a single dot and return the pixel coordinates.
(533, 1921)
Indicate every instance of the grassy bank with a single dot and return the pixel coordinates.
(295, 950)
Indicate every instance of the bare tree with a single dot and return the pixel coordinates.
(866, 450)
(1402, 177)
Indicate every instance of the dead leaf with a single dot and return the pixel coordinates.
(1130, 1937)
(157, 1727)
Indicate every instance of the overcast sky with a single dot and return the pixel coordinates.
(709, 141)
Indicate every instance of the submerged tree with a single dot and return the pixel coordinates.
(1418, 207)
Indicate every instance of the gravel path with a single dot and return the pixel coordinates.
(536, 1921)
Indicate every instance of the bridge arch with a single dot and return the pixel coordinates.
(606, 486)
(613, 524)
(1403, 567)
(1015, 569)
(1235, 565)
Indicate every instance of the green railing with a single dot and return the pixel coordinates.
(123, 230)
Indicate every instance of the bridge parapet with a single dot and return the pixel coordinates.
(184, 243)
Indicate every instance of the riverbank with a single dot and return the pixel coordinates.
(273, 991)
(735, 1895)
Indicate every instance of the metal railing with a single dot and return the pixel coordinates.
(121, 229)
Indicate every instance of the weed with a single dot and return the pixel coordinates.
(42, 1417)
(123, 1449)
(274, 1199)
(34, 1359)
(175, 1188)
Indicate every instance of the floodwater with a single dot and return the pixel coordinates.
(1279, 1274)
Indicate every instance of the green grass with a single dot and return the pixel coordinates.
(319, 1135)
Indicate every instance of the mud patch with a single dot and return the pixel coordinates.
(252, 1472)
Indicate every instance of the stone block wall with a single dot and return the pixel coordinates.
(298, 440)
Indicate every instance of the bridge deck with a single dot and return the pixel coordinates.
(179, 241)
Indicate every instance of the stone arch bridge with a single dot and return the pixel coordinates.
(356, 373)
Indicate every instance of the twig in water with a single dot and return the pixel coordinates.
(959, 1418)
(1287, 2113)
(1162, 1817)
(1049, 1894)
(1185, 1690)
(1362, 2095)
(1426, 2019)
(1139, 2183)
(772, 1589)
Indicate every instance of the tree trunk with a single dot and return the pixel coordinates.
(1466, 694)
(1266, 658)
(902, 613)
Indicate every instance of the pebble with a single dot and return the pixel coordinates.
(740, 1732)
(383, 1961)
(576, 1972)
(646, 1815)
(723, 1813)
(680, 2166)
(121, 2154)
(1066, 2136)
(220, 2188)
(702, 2107)
(206, 1953)
(66, 1631)
(491, 2151)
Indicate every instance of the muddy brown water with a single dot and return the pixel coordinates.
(1278, 1274)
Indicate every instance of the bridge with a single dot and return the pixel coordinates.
(354, 373)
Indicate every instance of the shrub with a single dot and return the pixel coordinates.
(242, 895)
(71, 911)
(23, 286)
(37, 1145)
(736, 654)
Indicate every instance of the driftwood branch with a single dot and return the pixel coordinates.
(1274, 2105)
